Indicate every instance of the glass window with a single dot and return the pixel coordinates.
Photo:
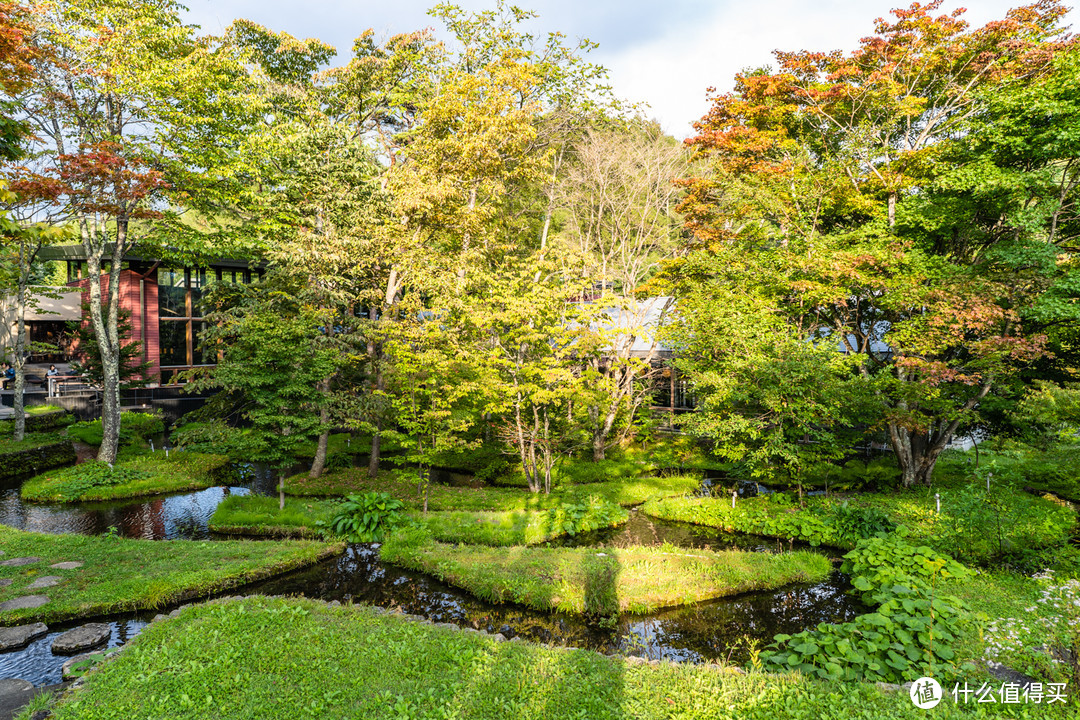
(199, 357)
(197, 280)
(173, 342)
(172, 292)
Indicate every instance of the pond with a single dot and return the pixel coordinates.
(713, 630)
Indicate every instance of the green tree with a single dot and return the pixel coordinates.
(134, 117)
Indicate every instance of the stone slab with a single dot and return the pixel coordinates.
(4, 582)
(65, 670)
(67, 565)
(16, 562)
(13, 638)
(45, 581)
(81, 638)
(10, 686)
(26, 602)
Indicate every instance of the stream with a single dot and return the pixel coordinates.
(707, 631)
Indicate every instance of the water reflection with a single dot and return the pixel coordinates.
(702, 632)
(37, 664)
(162, 517)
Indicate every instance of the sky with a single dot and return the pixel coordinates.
(663, 54)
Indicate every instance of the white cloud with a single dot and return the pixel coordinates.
(672, 72)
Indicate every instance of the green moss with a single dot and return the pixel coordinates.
(402, 485)
(587, 580)
(135, 428)
(968, 527)
(122, 575)
(40, 418)
(257, 515)
(284, 659)
(135, 476)
(35, 452)
(521, 527)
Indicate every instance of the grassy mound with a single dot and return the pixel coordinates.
(972, 525)
(34, 453)
(275, 659)
(520, 527)
(121, 575)
(586, 580)
(148, 474)
(259, 516)
(441, 497)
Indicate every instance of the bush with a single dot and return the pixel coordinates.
(591, 513)
(367, 517)
(214, 436)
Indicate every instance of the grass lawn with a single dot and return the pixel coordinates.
(518, 527)
(258, 515)
(267, 659)
(134, 476)
(402, 485)
(967, 527)
(587, 580)
(121, 575)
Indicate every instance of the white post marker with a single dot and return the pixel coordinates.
(937, 498)
(734, 493)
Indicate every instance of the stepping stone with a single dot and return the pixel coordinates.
(67, 565)
(45, 581)
(65, 670)
(16, 562)
(81, 638)
(13, 638)
(4, 582)
(11, 686)
(26, 602)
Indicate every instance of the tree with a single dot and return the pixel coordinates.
(133, 116)
(619, 195)
(276, 353)
(825, 173)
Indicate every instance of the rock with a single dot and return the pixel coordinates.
(159, 617)
(81, 638)
(16, 562)
(67, 565)
(41, 715)
(66, 669)
(448, 626)
(26, 602)
(4, 582)
(13, 638)
(505, 629)
(45, 581)
(635, 660)
(10, 686)
(498, 637)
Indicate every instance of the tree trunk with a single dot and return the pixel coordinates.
(20, 362)
(105, 328)
(917, 453)
(373, 461)
(319, 463)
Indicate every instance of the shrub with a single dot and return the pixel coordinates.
(367, 517)
(591, 513)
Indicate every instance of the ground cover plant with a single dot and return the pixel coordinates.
(402, 485)
(521, 527)
(133, 476)
(135, 428)
(35, 452)
(283, 658)
(40, 418)
(974, 525)
(259, 515)
(600, 582)
(120, 575)
(913, 632)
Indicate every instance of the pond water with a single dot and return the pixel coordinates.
(706, 631)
